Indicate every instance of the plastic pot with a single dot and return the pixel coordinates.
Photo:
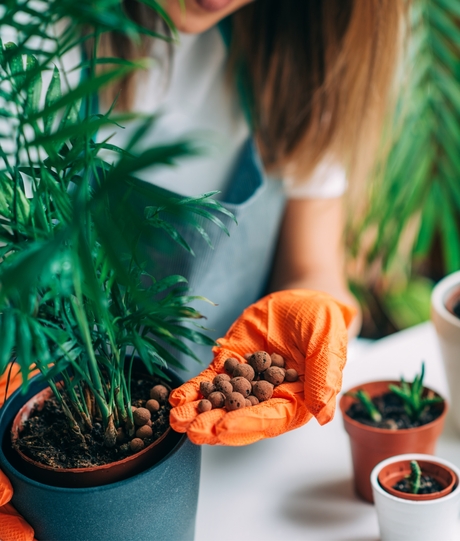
(447, 327)
(156, 504)
(370, 445)
(402, 519)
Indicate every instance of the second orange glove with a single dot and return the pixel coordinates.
(308, 329)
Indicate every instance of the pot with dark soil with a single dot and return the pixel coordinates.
(53, 454)
(144, 503)
(387, 418)
(416, 497)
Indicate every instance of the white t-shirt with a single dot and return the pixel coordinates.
(194, 100)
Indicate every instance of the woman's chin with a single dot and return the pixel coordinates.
(213, 5)
(201, 15)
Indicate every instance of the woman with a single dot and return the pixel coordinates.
(307, 81)
(294, 92)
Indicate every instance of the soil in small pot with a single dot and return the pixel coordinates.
(47, 439)
(453, 304)
(394, 416)
(428, 485)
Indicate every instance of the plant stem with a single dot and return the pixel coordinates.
(415, 476)
(368, 405)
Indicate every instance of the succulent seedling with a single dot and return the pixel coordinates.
(414, 476)
(412, 395)
(368, 405)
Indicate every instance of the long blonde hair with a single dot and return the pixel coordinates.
(318, 73)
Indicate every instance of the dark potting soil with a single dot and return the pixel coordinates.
(47, 439)
(428, 485)
(394, 416)
(456, 308)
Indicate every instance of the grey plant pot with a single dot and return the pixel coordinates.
(158, 504)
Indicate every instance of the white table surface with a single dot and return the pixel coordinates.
(299, 486)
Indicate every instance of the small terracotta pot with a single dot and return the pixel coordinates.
(392, 473)
(91, 476)
(370, 445)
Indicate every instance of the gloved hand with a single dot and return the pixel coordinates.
(12, 526)
(308, 329)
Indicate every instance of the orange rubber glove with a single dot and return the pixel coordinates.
(308, 329)
(12, 526)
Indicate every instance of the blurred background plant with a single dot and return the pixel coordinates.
(76, 301)
(409, 234)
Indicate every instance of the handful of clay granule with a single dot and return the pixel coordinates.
(244, 385)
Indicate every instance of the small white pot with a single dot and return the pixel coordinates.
(448, 331)
(407, 520)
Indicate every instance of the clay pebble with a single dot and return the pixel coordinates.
(291, 375)
(220, 377)
(141, 416)
(277, 360)
(263, 390)
(206, 388)
(230, 364)
(152, 405)
(241, 385)
(244, 371)
(204, 405)
(159, 393)
(235, 401)
(260, 361)
(136, 444)
(224, 386)
(144, 432)
(217, 399)
(274, 374)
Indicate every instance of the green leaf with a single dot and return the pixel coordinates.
(14, 62)
(23, 271)
(449, 6)
(166, 283)
(24, 350)
(83, 90)
(172, 232)
(34, 89)
(8, 338)
(53, 95)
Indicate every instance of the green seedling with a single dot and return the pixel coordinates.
(368, 405)
(414, 477)
(412, 395)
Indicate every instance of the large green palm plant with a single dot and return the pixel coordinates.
(75, 300)
(414, 212)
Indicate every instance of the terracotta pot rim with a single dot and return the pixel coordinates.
(64, 471)
(388, 487)
(416, 456)
(348, 420)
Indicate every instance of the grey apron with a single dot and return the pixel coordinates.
(234, 273)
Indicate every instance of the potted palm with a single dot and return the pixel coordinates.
(416, 497)
(76, 303)
(387, 418)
